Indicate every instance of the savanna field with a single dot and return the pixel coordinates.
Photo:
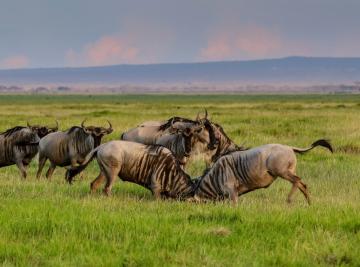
(49, 223)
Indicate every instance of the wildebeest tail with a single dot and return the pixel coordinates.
(320, 142)
(72, 172)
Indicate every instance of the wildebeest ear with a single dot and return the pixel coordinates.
(198, 129)
(87, 130)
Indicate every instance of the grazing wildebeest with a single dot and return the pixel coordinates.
(69, 148)
(151, 166)
(19, 145)
(240, 172)
(149, 132)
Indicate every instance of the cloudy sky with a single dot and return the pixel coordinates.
(49, 33)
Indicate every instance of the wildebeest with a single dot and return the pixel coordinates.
(225, 144)
(151, 166)
(240, 172)
(149, 132)
(180, 142)
(19, 145)
(69, 148)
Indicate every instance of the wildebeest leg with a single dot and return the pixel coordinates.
(50, 171)
(157, 192)
(110, 174)
(155, 188)
(42, 160)
(234, 197)
(297, 183)
(22, 168)
(292, 191)
(97, 182)
(303, 188)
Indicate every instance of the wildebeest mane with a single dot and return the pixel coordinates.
(11, 131)
(73, 129)
(213, 140)
(173, 120)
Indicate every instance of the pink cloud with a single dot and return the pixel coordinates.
(218, 47)
(15, 62)
(249, 42)
(105, 51)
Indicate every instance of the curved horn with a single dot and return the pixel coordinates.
(28, 124)
(57, 126)
(197, 117)
(110, 129)
(206, 113)
(83, 123)
(172, 129)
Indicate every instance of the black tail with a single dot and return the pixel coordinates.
(72, 172)
(320, 142)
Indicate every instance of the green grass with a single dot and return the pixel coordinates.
(49, 223)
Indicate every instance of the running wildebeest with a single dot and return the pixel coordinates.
(69, 148)
(240, 172)
(149, 132)
(151, 166)
(19, 145)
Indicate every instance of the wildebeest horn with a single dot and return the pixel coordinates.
(206, 113)
(172, 123)
(197, 117)
(110, 129)
(172, 128)
(56, 127)
(28, 124)
(83, 123)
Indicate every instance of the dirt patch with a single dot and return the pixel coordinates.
(220, 231)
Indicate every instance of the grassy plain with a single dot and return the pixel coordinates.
(49, 223)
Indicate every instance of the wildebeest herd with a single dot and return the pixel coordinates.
(155, 155)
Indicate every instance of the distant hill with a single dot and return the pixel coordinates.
(284, 70)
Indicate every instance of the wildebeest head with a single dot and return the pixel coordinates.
(209, 130)
(96, 131)
(191, 135)
(43, 130)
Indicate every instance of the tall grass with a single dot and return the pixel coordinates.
(49, 223)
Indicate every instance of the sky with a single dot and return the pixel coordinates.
(76, 33)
